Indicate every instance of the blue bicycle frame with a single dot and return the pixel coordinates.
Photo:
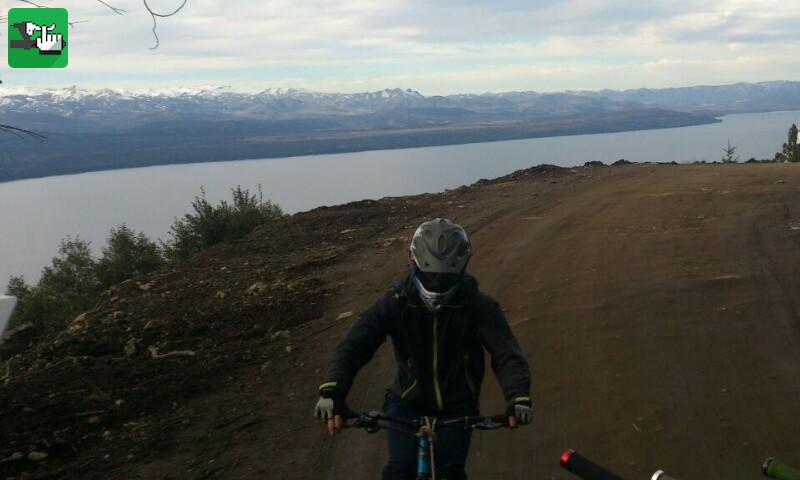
(424, 469)
(424, 429)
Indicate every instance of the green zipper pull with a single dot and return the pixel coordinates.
(436, 387)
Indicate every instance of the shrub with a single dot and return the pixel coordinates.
(127, 255)
(212, 224)
(67, 287)
(74, 280)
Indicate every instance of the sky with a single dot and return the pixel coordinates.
(437, 47)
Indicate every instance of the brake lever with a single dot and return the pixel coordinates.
(368, 421)
(488, 424)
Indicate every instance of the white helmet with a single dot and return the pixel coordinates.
(440, 250)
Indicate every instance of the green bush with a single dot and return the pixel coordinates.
(66, 288)
(212, 224)
(75, 279)
(791, 150)
(127, 255)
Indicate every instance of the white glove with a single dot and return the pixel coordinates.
(324, 409)
(523, 413)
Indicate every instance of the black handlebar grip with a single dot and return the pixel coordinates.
(581, 466)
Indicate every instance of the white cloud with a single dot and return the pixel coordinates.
(436, 46)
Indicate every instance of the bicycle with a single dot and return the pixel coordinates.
(581, 466)
(780, 471)
(424, 428)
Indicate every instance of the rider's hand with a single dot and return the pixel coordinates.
(519, 412)
(330, 407)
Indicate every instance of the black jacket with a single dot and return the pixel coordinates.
(439, 356)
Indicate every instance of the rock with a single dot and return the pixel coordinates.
(37, 456)
(77, 323)
(94, 420)
(13, 331)
(256, 288)
(344, 315)
(119, 402)
(146, 286)
(281, 334)
(220, 295)
(779, 181)
(13, 457)
(130, 348)
(288, 349)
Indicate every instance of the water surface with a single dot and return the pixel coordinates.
(35, 214)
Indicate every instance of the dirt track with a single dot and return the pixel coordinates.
(658, 306)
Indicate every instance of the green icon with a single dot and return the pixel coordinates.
(37, 37)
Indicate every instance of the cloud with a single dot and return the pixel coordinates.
(436, 46)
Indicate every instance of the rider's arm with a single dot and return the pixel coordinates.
(358, 346)
(508, 361)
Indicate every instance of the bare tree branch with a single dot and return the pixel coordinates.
(114, 9)
(4, 19)
(20, 132)
(29, 2)
(160, 15)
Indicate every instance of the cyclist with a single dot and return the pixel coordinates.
(440, 324)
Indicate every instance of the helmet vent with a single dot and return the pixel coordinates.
(441, 245)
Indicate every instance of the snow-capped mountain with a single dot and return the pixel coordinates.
(80, 109)
(113, 128)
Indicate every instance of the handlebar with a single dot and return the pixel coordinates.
(374, 421)
(581, 466)
(781, 471)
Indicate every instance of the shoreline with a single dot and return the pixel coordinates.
(270, 148)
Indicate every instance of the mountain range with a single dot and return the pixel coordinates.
(113, 128)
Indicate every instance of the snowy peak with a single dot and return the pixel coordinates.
(124, 109)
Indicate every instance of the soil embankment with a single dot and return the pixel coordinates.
(659, 306)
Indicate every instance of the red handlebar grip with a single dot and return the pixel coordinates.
(581, 466)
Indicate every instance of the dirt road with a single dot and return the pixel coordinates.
(659, 306)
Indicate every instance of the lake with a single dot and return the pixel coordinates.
(35, 214)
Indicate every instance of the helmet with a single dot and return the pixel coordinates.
(440, 251)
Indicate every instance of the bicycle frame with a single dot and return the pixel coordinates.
(424, 461)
